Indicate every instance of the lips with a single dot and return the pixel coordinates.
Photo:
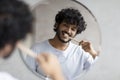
(65, 34)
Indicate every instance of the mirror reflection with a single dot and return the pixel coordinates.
(69, 31)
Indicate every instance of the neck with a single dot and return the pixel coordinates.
(55, 42)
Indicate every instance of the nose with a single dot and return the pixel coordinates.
(69, 30)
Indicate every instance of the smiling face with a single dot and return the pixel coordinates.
(68, 23)
(65, 31)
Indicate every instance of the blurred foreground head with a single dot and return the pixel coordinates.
(16, 20)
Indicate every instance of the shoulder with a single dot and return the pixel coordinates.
(80, 50)
(76, 49)
(39, 45)
(75, 46)
(6, 76)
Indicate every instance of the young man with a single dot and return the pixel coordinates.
(74, 59)
(16, 21)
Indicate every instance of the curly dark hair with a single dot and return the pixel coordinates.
(16, 21)
(70, 16)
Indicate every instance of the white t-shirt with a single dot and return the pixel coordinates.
(6, 76)
(74, 60)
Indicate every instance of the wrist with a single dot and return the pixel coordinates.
(93, 53)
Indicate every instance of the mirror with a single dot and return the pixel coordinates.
(43, 30)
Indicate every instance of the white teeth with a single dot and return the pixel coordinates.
(66, 35)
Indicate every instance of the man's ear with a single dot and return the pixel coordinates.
(55, 26)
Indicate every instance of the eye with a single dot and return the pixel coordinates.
(74, 29)
(65, 25)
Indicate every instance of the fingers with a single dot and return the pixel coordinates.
(45, 58)
(85, 45)
(40, 59)
(80, 43)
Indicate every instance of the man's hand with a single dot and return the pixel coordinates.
(50, 65)
(87, 46)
